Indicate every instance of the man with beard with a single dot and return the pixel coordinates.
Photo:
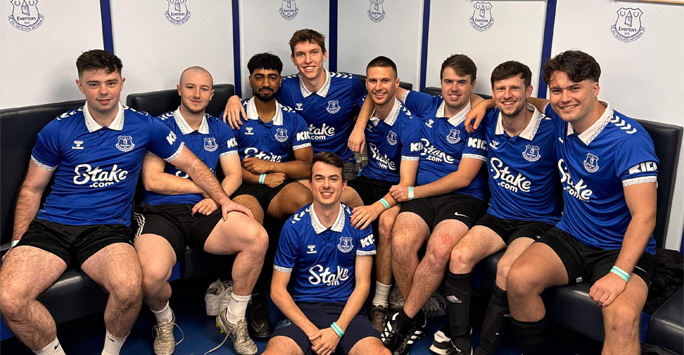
(175, 214)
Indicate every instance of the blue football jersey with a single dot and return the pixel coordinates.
(275, 140)
(212, 141)
(595, 167)
(321, 260)
(445, 142)
(96, 168)
(328, 112)
(523, 178)
(391, 140)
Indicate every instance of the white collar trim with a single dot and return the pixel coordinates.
(92, 125)
(252, 113)
(391, 117)
(322, 92)
(185, 127)
(318, 227)
(592, 132)
(457, 118)
(531, 130)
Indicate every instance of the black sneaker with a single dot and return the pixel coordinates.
(441, 341)
(390, 336)
(455, 350)
(414, 334)
(259, 323)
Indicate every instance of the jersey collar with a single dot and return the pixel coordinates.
(92, 125)
(319, 228)
(185, 127)
(592, 132)
(391, 117)
(322, 92)
(252, 113)
(458, 118)
(530, 131)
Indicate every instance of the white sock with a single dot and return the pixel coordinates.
(166, 314)
(112, 344)
(382, 292)
(237, 307)
(54, 348)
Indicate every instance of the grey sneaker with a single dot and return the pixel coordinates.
(242, 343)
(164, 342)
(214, 296)
(378, 317)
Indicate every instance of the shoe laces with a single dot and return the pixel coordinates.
(164, 330)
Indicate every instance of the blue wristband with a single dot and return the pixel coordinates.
(14, 243)
(622, 273)
(262, 177)
(384, 203)
(337, 329)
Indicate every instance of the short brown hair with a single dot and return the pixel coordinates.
(576, 64)
(307, 35)
(98, 59)
(330, 159)
(510, 69)
(461, 64)
(382, 62)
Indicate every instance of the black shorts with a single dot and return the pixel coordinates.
(586, 263)
(263, 194)
(67, 241)
(322, 315)
(176, 224)
(433, 210)
(511, 229)
(351, 170)
(370, 190)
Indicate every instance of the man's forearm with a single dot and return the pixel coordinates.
(231, 183)
(634, 243)
(203, 177)
(295, 169)
(447, 184)
(353, 306)
(167, 184)
(28, 204)
(283, 300)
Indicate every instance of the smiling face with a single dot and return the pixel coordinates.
(102, 91)
(326, 184)
(456, 89)
(195, 90)
(573, 101)
(308, 57)
(381, 82)
(510, 95)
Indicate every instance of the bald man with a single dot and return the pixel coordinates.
(176, 212)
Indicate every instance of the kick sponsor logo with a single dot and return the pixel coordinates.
(320, 275)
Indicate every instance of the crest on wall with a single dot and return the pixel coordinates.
(376, 12)
(177, 12)
(627, 26)
(25, 15)
(482, 18)
(288, 9)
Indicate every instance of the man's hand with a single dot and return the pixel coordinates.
(231, 206)
(205, 207)
(362, 216)
(324, 341)
(257, 166)
(274, 179)
(399, 193)
(606, 289)
(233, 111)
(475, 116)
(356, 141)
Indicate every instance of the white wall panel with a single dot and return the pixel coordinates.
(397, 35)
(39, 66)
(155, 51)
(516, 33)
(641, 78)
(264, 29)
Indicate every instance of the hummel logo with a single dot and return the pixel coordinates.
(77, 145)
(249, 131)
(460, 215)
(299, 106)
(312, 249)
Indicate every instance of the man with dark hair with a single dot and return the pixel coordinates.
(175, 213)
(95, 153)
(608, 171)
(393, 137)
(329, 263)
(523, 205)
(449, 198)
(327, 101)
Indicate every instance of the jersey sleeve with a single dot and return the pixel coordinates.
(301, 138)
(476, 147)
(366, 242)
(636, 161)
(411, 145)
(163, 142)
(46, 152)
(358, 93)
(419, 103)
(227, 140)
(286, 254)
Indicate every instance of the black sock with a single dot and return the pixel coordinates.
(495, 319)
(529, 335)
(404, 322)
(458, 290)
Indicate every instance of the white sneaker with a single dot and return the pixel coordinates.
(225, 297)
(164, 342)
(214, 297)
(242, 343)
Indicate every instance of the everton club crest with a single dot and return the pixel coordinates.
(281, 135)
(210, 144)
(454, 136)
(377, 10)
(345, 245)
(25, 15)
(177, 12)
(288, 9)
(627, 27)
(125, 144)
(482, 18)
(392, 138)
(333, 107)
(591, 163)
(531, 153)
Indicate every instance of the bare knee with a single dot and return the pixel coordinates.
(12, 304)
(520, 282)
(461, 261)
(153, 278)
(385, 225)
(622, 321)
(438, 252)
(126, 291)
(502, 270)
(259, 244)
